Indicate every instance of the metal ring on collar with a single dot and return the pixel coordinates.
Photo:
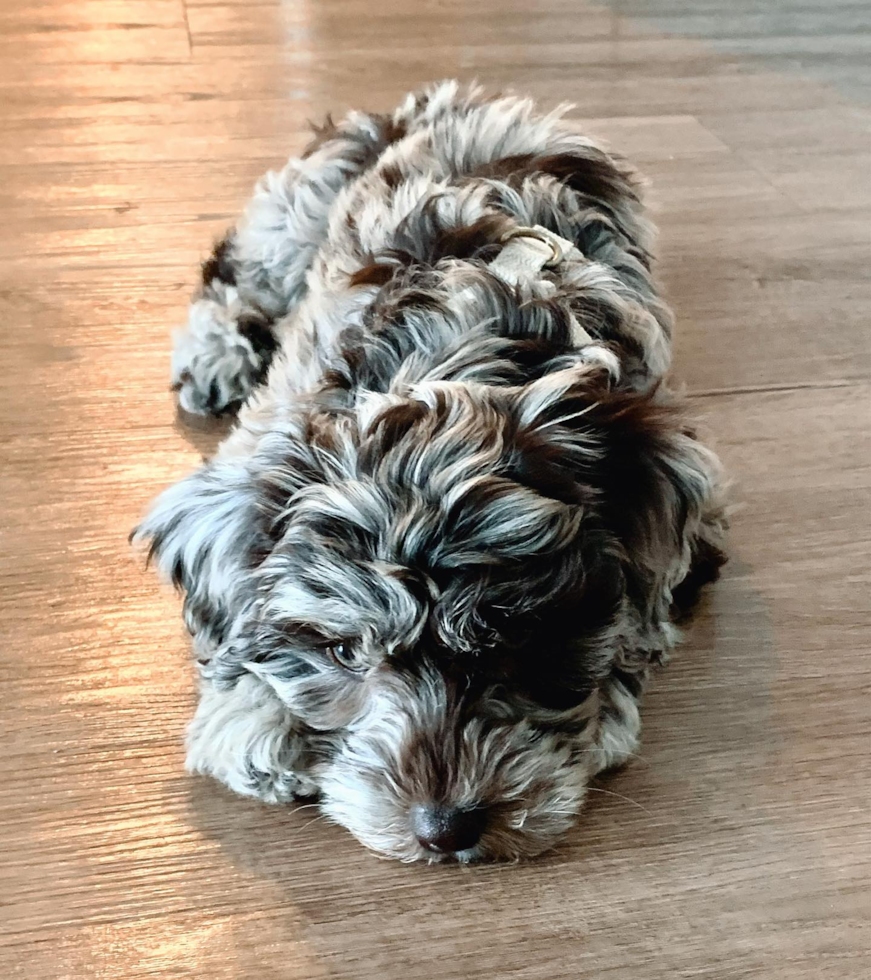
(542, 235)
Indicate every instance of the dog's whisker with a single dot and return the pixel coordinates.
(299, 830)
(305, 806)
(619, 796)
(625, 754)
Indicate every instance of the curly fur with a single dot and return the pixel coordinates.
(482, 490)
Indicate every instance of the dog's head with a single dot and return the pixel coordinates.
(437, 584)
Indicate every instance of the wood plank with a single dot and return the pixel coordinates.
(653, 137)
(736, 846)
(52, 16)
(810, 132)
(95, 45)
(834, 180)
(765, 302)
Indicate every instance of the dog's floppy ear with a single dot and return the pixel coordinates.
(635, 463)
(205, 533)
(661, 493)
(210, 531)
(553, 445)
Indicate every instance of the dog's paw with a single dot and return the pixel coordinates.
(285, 787)
(217, 358)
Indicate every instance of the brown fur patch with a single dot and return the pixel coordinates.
(388, 132)
(327, 131)
(392, 176)
(391, 132)
(595, 175)
(705, 566)
(257, 330)
(468, 241)
(391, 426)
(373, 274)
(219, 265)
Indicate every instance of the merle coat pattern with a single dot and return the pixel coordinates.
(430, 569)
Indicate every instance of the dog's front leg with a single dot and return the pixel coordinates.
(247, 738)
(619, 727)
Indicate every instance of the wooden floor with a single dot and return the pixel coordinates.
(739, 845)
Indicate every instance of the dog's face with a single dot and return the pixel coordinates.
(435, 585)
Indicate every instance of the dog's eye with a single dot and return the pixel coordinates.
(346, 656)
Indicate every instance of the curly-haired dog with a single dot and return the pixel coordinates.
(428, 572)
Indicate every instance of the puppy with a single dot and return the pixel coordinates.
(430, 569)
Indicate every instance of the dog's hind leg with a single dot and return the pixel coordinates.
(226, 346)
(257, 273)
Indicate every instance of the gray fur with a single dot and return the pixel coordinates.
(482, 491)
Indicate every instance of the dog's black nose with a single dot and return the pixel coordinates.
(447, 829)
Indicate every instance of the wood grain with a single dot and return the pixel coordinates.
(739, 844)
